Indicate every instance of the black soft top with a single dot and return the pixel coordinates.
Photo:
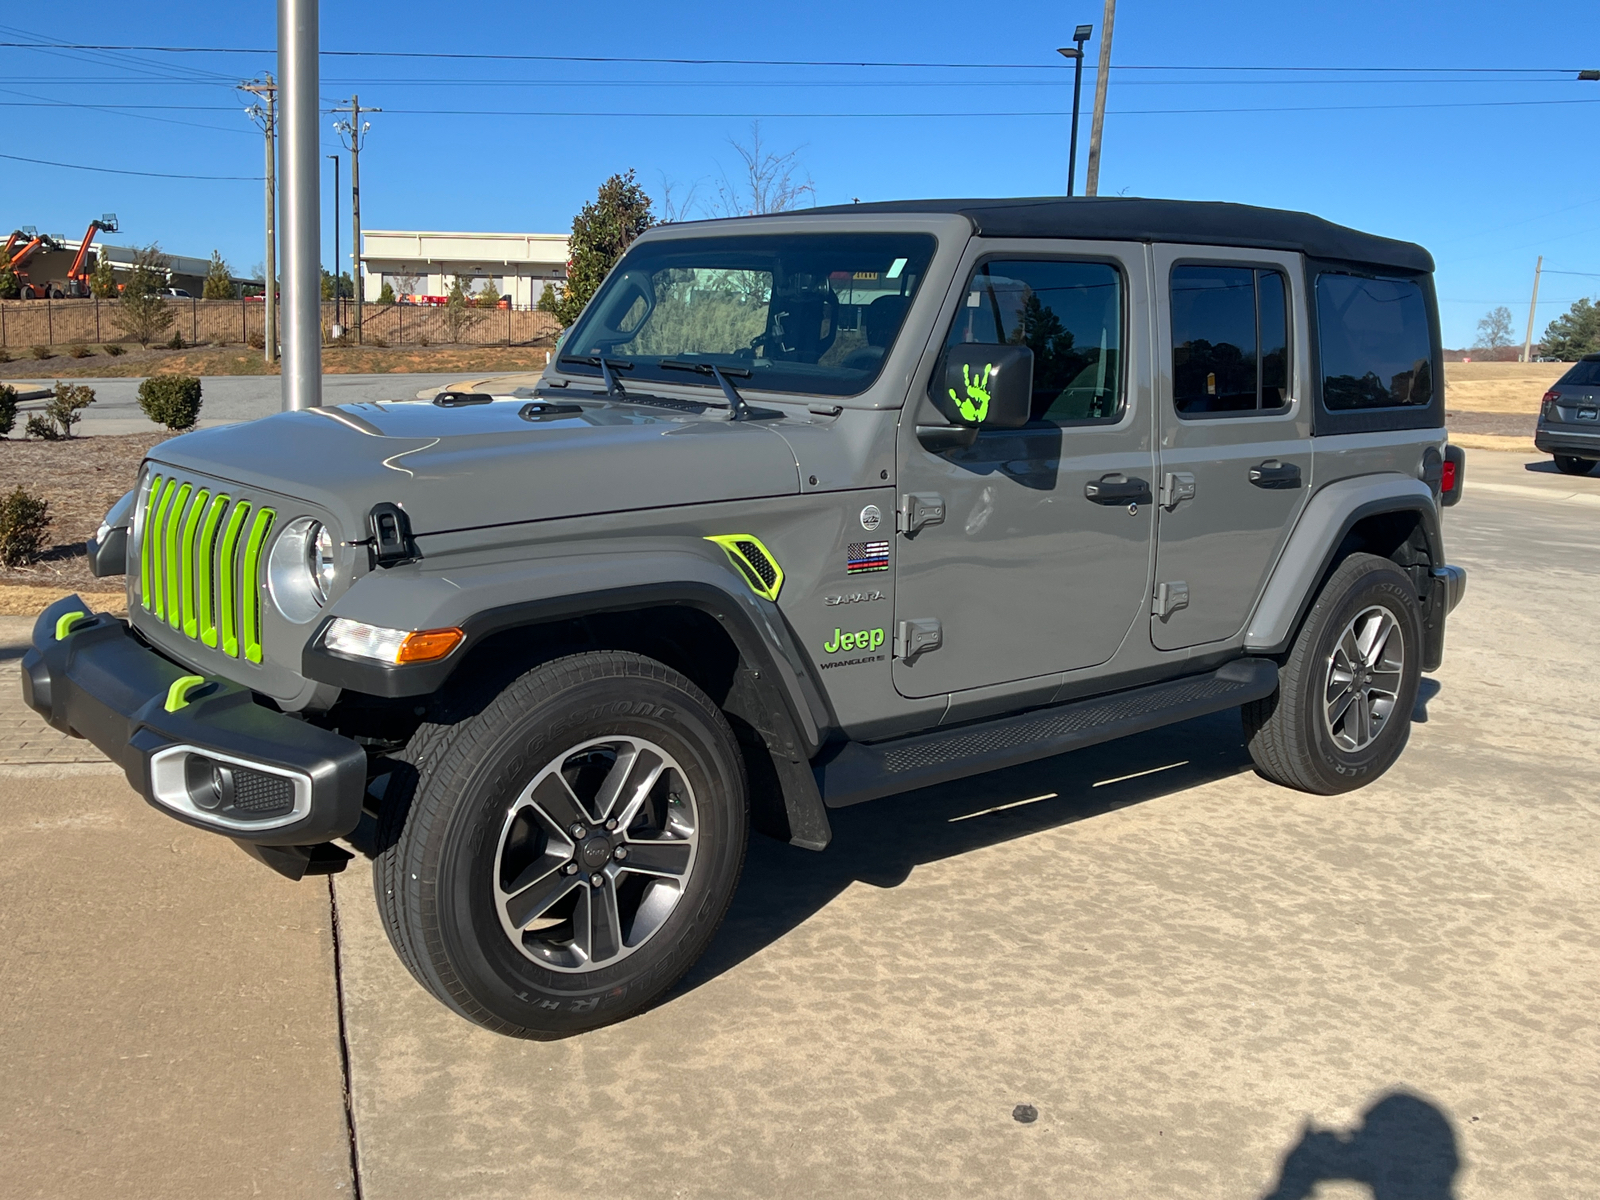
(1128, 218)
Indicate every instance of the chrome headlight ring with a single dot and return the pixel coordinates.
(302, 568)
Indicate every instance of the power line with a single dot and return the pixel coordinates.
(754, 62)
(41, 81)
(41, 162)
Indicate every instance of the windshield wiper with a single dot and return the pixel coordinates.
(739, 410)
(606, 365)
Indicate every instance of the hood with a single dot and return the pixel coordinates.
(466, 467)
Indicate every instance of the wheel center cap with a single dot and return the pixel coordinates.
(595, 852)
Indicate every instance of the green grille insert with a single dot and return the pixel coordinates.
(201, 555)
(205, 610)
(225, 585)
(154, 535)
(191, 627)
(250, 589)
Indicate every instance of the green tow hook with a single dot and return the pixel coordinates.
(66, 621)
(178, 693)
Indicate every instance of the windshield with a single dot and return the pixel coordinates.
(811, 312)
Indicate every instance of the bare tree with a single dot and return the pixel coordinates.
(1494, 331)
(766, 182)
(674, 209)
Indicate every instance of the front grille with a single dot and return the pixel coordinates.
(200, 562)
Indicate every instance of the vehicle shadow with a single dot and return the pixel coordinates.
(1404, 1148)
(1427, 689)
(882, 842)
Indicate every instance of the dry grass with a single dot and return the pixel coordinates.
(81, 479)
(336, 360)
(1499, 387)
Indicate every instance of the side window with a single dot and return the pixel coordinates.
(1070, 314)
(1376, 348)
(1230, 340)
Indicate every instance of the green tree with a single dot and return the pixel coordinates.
(601, 233)
(102, 280)
(459, 309)
(347, 288)
(142, 313)
(219, 280)
(547, 299)
(1574, 333)
(386, 293)
(488, 295)
(10, 286)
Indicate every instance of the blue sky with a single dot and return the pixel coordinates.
(1486, 170)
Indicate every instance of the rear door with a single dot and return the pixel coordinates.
(1235, 434)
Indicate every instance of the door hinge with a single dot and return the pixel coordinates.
(917, 636)
(1170, 597)
(1176, 487)
(918, 509)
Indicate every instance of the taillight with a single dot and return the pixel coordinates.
(1447, 480)
(1552, 396)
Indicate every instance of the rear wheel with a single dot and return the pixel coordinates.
(562, 857)
(1342, 711)
(1568, 464)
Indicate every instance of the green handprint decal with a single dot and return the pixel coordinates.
(974, 406)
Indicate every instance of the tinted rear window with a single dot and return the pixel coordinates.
(1375, 345)
(1585, 374)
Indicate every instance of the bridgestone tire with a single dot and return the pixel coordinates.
(1569, 465)
(1289, 734)
(441, 830)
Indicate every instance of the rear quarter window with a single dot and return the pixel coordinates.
(1585, 374)
(1374, 342)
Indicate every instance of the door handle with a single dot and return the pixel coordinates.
(1117, 488)
(1275, 474)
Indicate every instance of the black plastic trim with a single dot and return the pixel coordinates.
(103, 684)
(109, 558)
(858, 772)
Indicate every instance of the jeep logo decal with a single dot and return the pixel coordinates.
(865, 639)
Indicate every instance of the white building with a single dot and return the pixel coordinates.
(417, 263)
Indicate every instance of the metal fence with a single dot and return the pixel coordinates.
(25, 323)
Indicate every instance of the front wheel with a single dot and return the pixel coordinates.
(1568, 464)
(561, 858)
(1342, 711)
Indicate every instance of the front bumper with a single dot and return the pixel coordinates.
(1563, 439)
(207, 754)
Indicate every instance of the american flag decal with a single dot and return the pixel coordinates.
(861, 557)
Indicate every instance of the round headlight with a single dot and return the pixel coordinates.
(301, 569)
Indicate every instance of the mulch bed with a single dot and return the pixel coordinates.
(81, 478)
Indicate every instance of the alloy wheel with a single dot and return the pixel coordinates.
(1364, 674)
(595, 853)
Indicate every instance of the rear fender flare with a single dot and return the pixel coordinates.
(1308, 556)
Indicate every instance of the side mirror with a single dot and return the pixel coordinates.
(988, 387)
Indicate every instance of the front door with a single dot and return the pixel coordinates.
(1028, 553)
(1235, 419)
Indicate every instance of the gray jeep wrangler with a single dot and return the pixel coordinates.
(808, 509)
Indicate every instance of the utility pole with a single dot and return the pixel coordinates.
(1527, 345)
(1102, 76)
(355, 131)
(338, 324)
(267, 118)
(302, 225)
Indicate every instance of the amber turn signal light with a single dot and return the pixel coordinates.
(428, 645)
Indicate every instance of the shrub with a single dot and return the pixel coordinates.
(5, 355)
(23, 519)
(61, 412)
(256, 340)
(141, 313)
(115, 349)
(171, 400)
(375, 339)
(8, 409)
(175, 342)
(78, 350)
(41, 352)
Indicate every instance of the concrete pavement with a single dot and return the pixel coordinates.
(226, 399)
(1206, 985)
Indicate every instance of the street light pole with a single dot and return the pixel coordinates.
(302, 224)
(1080, 35)
(1102, 76)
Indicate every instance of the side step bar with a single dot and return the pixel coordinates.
(861, 772)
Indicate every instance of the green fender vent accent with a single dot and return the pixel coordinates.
(754, 561)
(250, 586)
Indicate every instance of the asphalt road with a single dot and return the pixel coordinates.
(228, 398)
(1205, 985)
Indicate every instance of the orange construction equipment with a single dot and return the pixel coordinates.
(77, 277)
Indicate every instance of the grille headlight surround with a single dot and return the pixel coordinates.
(302, 568)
